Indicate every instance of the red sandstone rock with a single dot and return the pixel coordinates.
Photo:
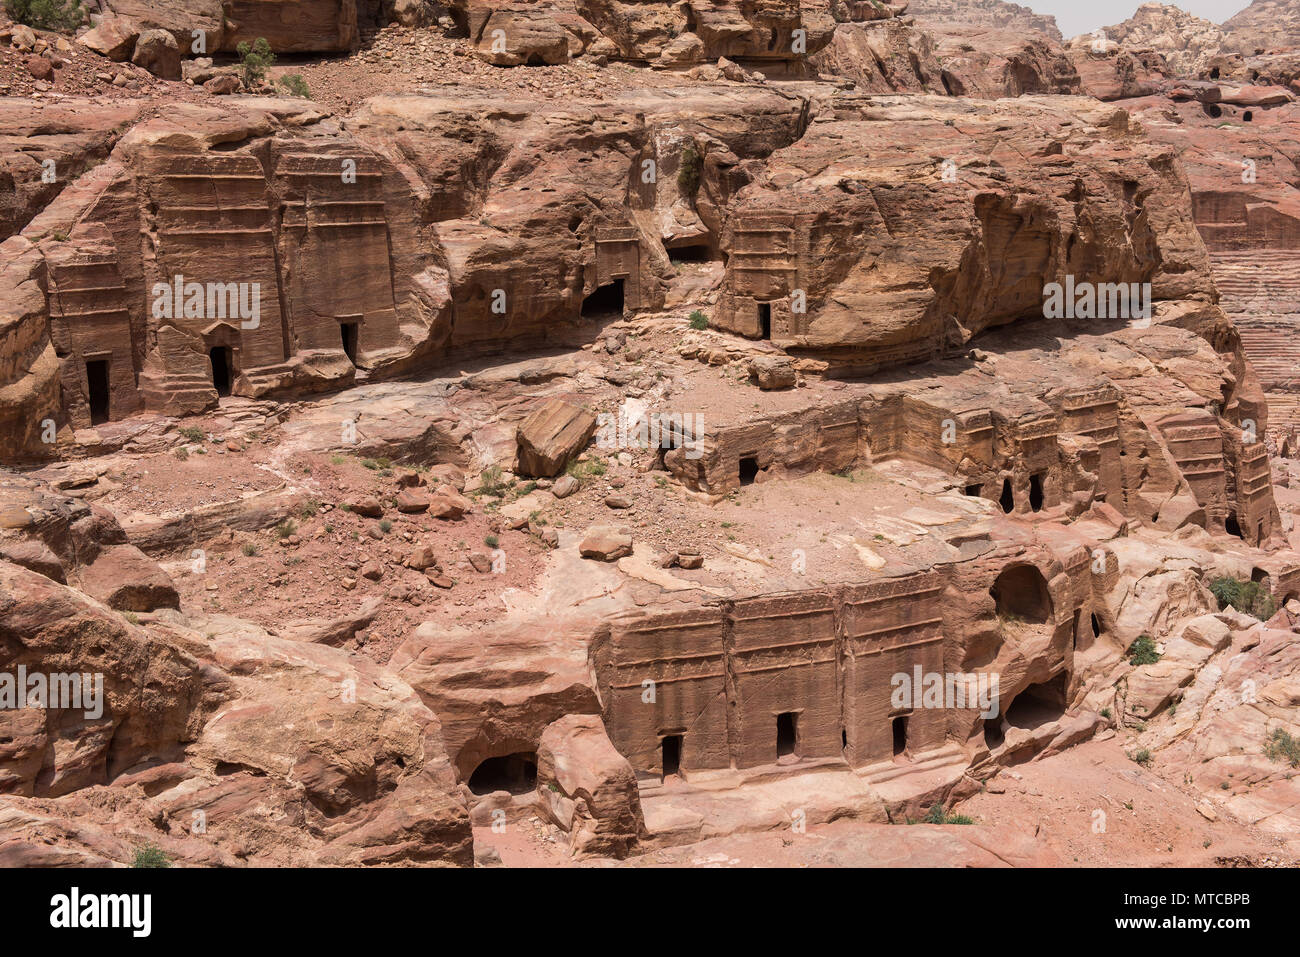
(412, 502)
(447, 504)
(367, 506)
(158, 52)
(40, 67)
(422, 558)
(333, 632)
(122, 577)
(595, 797)
(552, 435)
(222, 85)
(605, 543)
(114, 37)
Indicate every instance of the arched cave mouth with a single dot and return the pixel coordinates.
(606, 300)
(1020, 594)
(693, 253)
(1032, 708)
(514, 773)
(1039, 704)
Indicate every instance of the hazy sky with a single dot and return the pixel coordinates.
(1084, 16)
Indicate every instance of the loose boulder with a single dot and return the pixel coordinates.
(158, 52)
(588, 788)
(552, 435)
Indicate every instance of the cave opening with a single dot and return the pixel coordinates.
(1036, 492)
(671, 759)
(900, 735)
(1232, 526)
(605, 300)
(97, 387)
(515, 773)
(975, 491)
(765, 320)
(1020, 594)
(748, 469)
(693, 253)
(786, 733)
(993, 736)
(349, 335)
(1038, 704)
(1007, 499)
(222, 368)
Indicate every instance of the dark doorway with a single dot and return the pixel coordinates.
(1096, 625)
(1248, 116)
(748, 469)
(785, 733)
(97, 387)
(1020, 594)
(1007, 501)
(765, 320)
(516, 773)
(697, 253)
(900, 735)
(993, 732)
(844, 739)
(1214, 73)
(672, 754)
(349, 330)
(1039, 704)
(606, 300)
(1231, 526)
(1036, 493)
(221, 366)
(975, 490)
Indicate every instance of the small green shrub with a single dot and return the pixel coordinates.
(295, 85)
(149, 855)
(1282, 747)
(385, 526)
(254, 60)
(1142, 757)
(699, 320)
(1248, 597)
(192, 434)
(46, 14)
(938, 815)
(491, 541)
(308, 508)
(249, 549)
(1143, 651)
(592, 468)
(490, 482)
(286, 528)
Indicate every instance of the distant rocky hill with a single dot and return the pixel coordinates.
(987, 14)
(1264, 25)
(1187, 42)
